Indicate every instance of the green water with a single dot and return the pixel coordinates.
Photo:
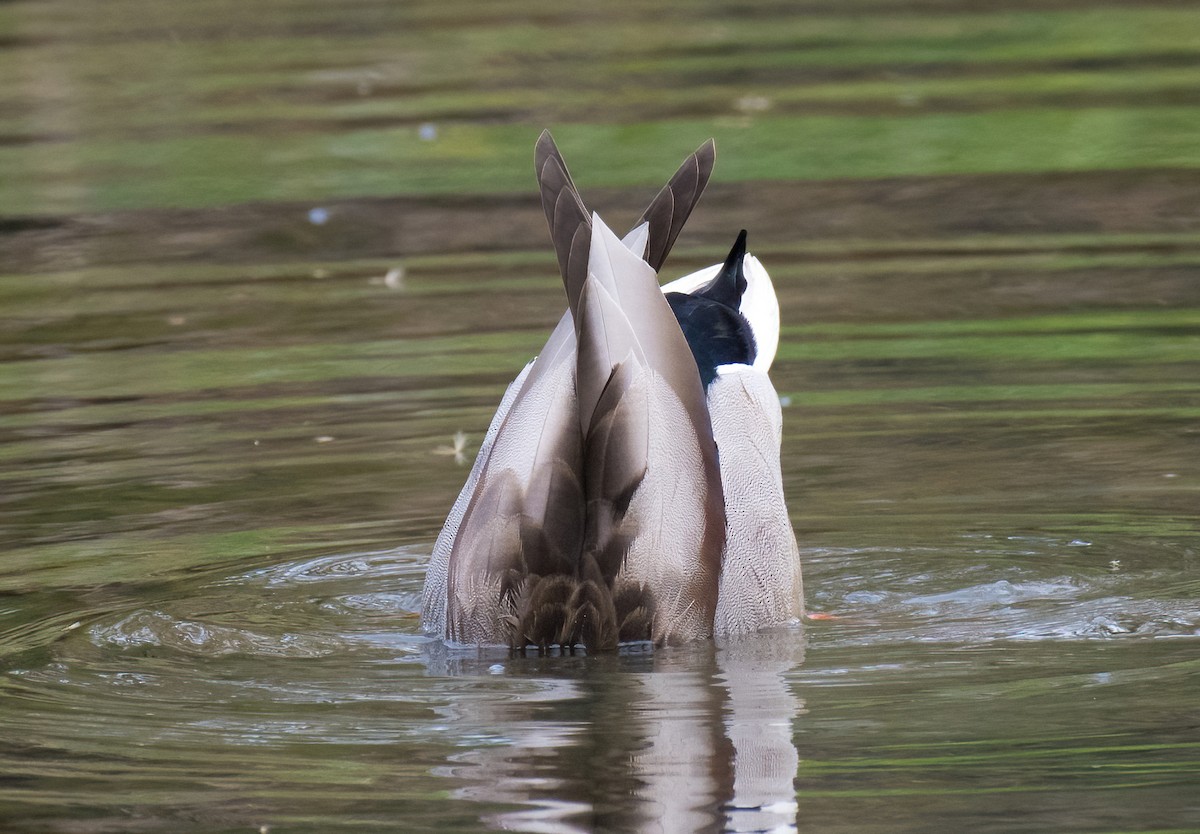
(227, 430)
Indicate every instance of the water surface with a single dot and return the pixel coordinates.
(260, 266)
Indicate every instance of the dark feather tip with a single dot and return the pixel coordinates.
(729, 285)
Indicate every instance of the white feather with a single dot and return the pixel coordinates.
(638, 239)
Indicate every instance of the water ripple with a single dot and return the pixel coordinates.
(156, 628)
(932, 595)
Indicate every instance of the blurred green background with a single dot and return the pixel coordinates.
(129, 104)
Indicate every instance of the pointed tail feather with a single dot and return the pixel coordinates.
(570, 223)
(670, 209)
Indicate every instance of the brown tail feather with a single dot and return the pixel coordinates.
(670, 209)
(568, 218)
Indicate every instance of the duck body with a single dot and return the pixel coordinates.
(628, 487)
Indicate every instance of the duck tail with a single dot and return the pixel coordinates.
(670, 209)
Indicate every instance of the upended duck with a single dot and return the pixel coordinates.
(628, 487)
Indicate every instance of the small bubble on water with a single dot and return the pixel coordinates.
(785, 401)
(428, 132)
(496, 669)
(1079, 543)
(317, 216)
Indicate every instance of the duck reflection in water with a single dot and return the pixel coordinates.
(629, 486)
(691, 738)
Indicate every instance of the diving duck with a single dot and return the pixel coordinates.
(628, 487)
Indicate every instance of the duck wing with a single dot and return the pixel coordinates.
(730, 316)
(655, 509)
(520, 516)
(434, 595)
(761, 583)
(521, 512)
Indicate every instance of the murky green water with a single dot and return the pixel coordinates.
(259, 264)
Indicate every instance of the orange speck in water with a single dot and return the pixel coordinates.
(821, 615)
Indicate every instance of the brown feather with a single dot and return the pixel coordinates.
(566, 611)
(542, 612)
(635, 611)
(568, 218)
(552, 520)
(498, 539)
(593, 617)
(616, 454)
(670, 209)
